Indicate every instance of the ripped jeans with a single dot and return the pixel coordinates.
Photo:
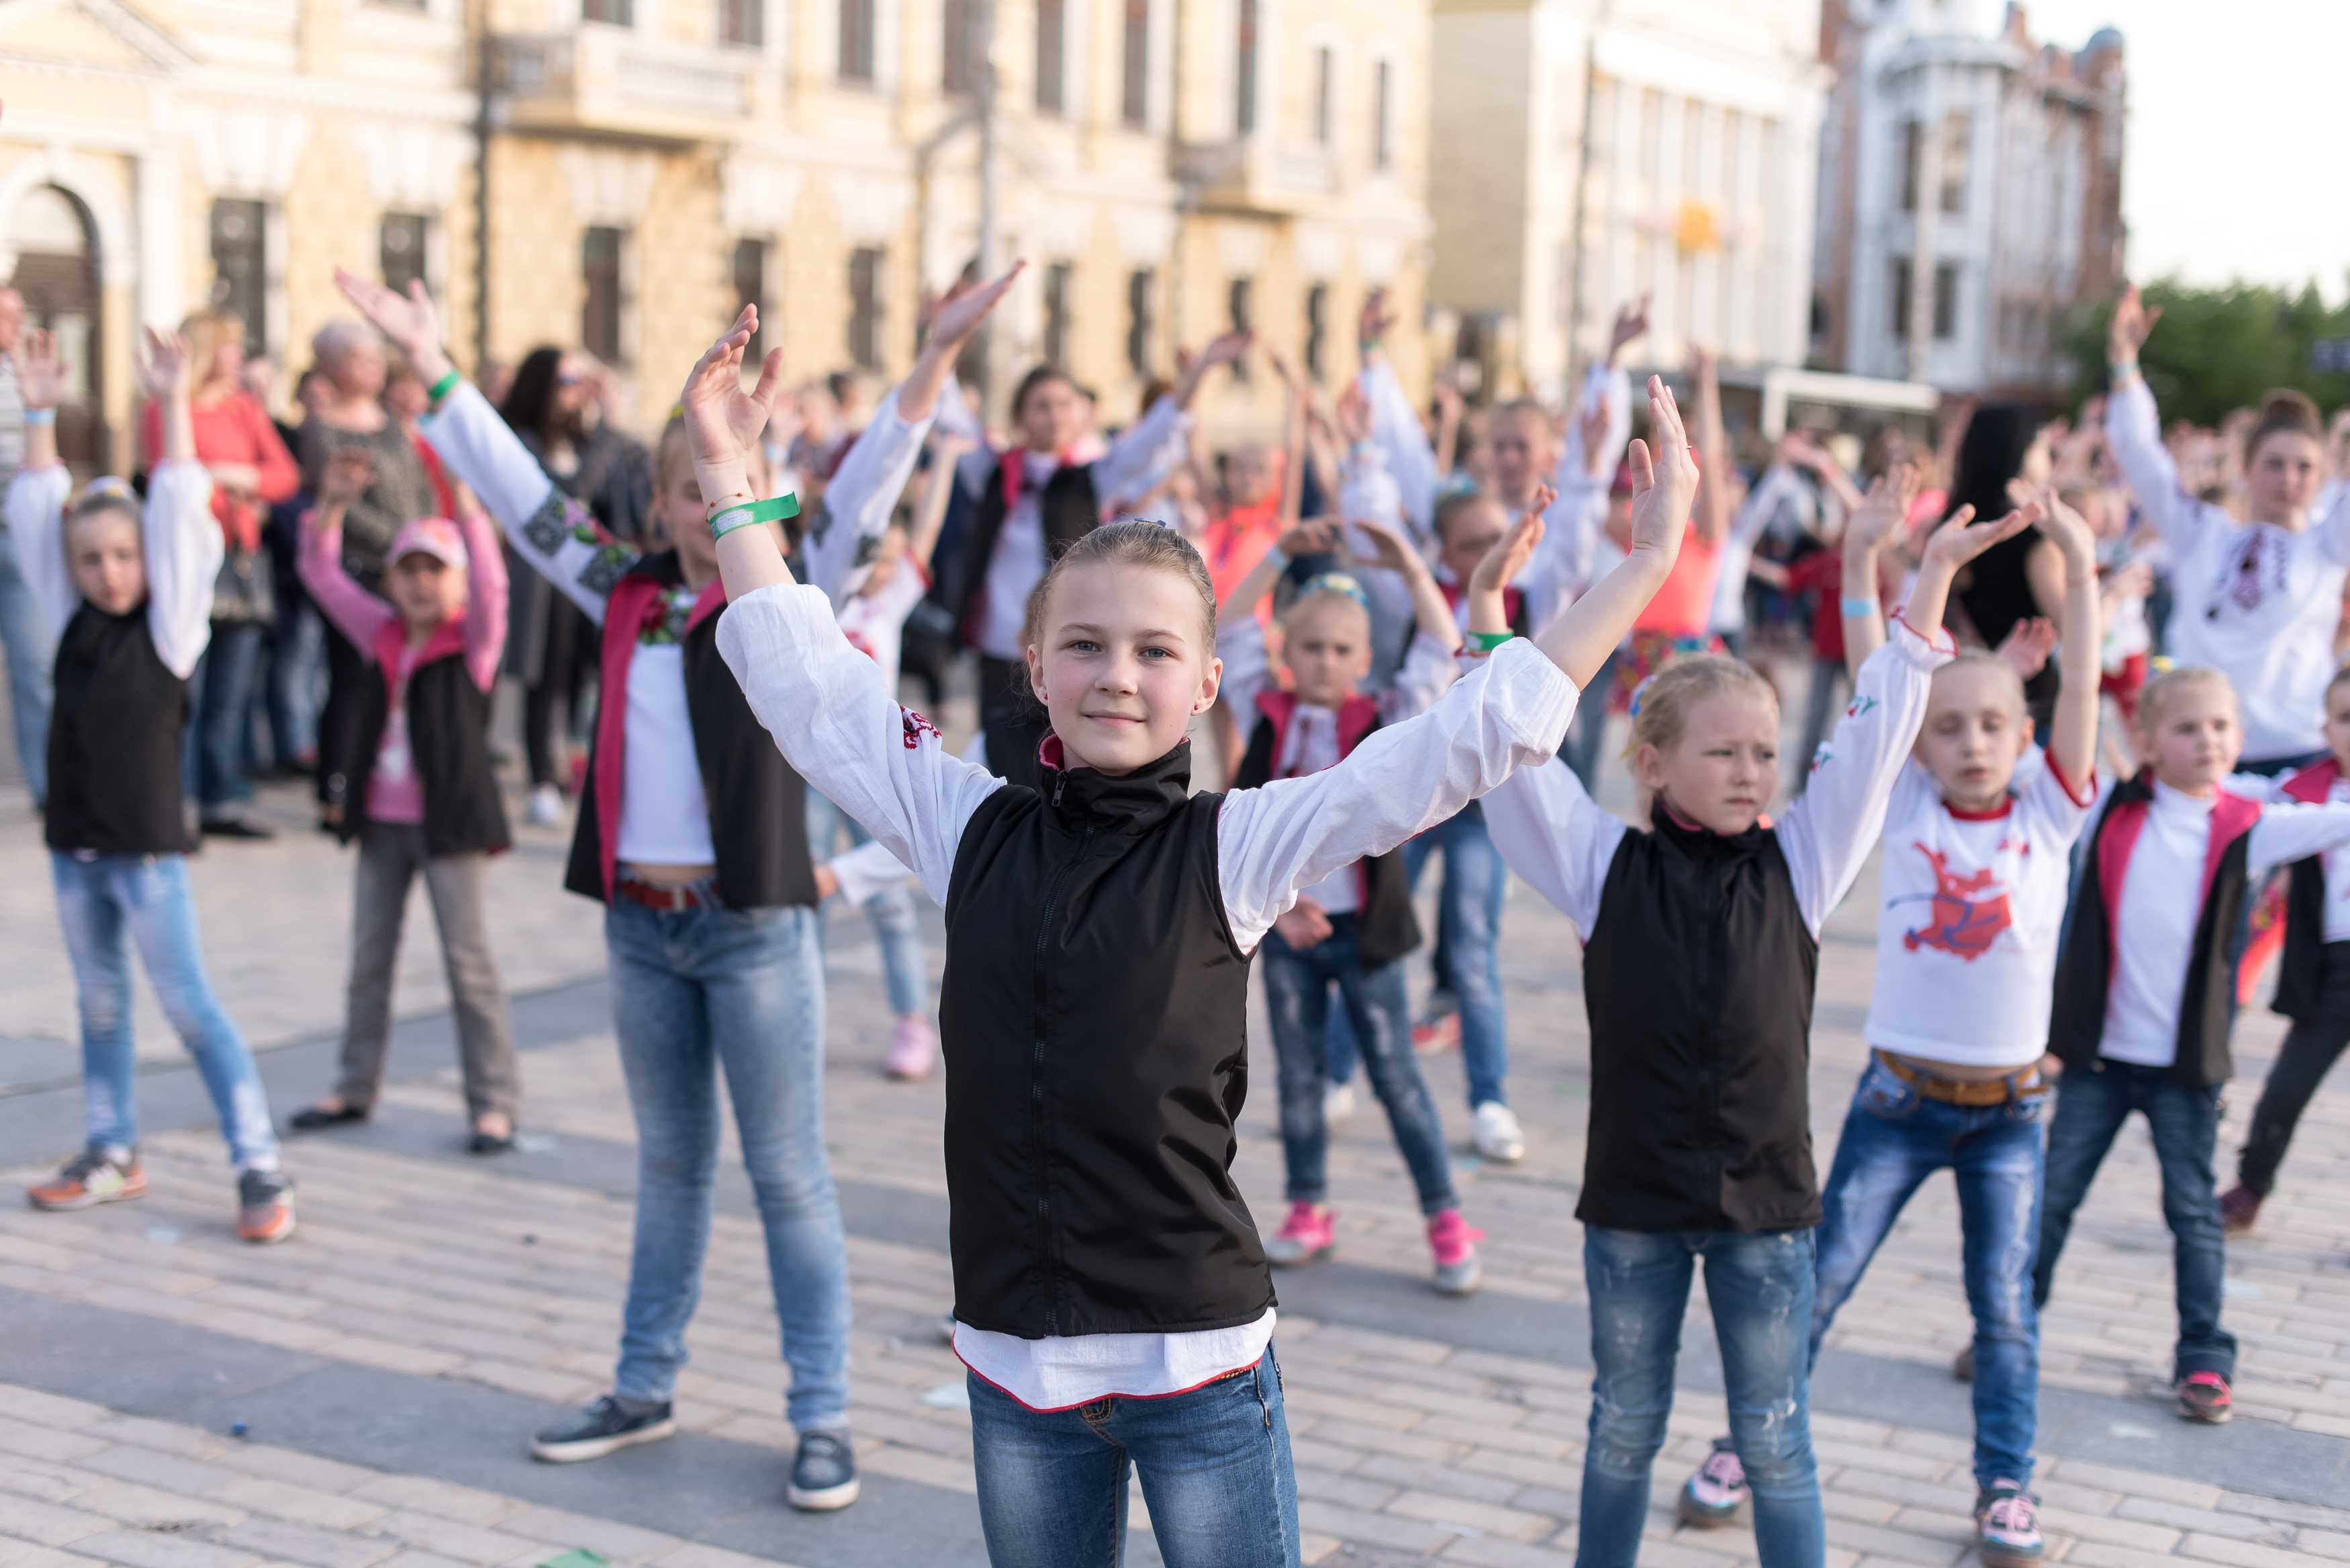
(1759, 1284)
(1894, 1137)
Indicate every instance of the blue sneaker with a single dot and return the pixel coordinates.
(824, 1473)
(603, 1427)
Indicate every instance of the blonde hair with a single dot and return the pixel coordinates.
(103, 494)
(2160, 691)
(1660, 708)
(205, 331)
(1976, 659)
(1129, 543)
(1316, 597)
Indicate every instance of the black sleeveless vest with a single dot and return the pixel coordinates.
(1094, 1014)
(1068, 509)
(448, 742)
(115, 734)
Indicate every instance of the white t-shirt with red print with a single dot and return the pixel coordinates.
(875, 622)
(1970, 906)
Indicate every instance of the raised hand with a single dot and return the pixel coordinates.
(1631, 322)
(1314, 536)
(2131, 325)
(1354, 415)
(164, 365)
(722, 421)
(957, 316)
(2069, 530)
(1449, 400)
(1879, 516)
(1959, 541)
(348, 473)
(1500, 565)
(1388, 548)
(40, 374)
(408, 321)
(2027, 645)
(1376, 320)
(1663, 482)
(1592, 424)
(1225, 349)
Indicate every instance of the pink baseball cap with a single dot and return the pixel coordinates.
(435, 536)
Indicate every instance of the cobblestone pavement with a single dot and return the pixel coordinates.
(171, 1399)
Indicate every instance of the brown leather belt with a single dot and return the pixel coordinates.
(1974, 1092)
(670, 900)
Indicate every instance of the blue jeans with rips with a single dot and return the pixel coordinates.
(892, 913)
(694, 991)
(1214, 1464)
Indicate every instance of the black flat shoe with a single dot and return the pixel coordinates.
(492, 1143)
(317, 1118)
(236, 828)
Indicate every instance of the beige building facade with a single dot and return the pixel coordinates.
(617, 174)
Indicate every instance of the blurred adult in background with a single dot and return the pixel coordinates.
(21, 635)
(251, 471)
(295, 684)
(552, 406)
(2019, 578)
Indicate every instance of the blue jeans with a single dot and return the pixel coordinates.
(1760, 1284)
(29, 648)
(1468, 945)
(2091, 1105)
(220, 718)
(297, 680)
(1298, 984)
(107, 903)
(1214, 1463)
(1894, 1137)
(892, 913)
(694, 991)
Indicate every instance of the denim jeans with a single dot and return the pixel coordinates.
(1214, 1463)
(29, 648)
(107, 904)
(1468, 943)
(297, 680)
(1759, 1285)
(220, 717)
(1298, 984)
(1894, 1137)
(2091, 1105)
(694, 991)
(892, 913)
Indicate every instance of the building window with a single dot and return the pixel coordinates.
(1900, 299)
(1134, 70)
(1052, 53)
(1693, 115)
(1317, 329)
(1957, 136)
(600, 317)
(1946, 302)
(399, 249)
(1326, 94)
(857, 50)
(1056, 313)
(1140, 285)
(750, 269)
(240, 236)
(959, 55)
(1245, 65)
(1383, 115)
(1238, 309)
(1652, 137)
(616, 13)
(1913, 152)
(865, 307)
(743, 22)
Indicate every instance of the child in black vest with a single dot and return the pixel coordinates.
(128, 599)
(2145, 994)
(694, 835)
(1701, 945)
(420, 793)
(1350, 929)
(1112, 1299)
(2312, 984)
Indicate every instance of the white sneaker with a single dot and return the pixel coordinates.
(1337, 1104)
(545, 807)
(1497, 1135)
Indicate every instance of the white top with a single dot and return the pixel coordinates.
(2257, 602)
(1137, 461)
(1550, 831)
(182, 543)
(875, 623)
(664, 817)
(1970, 909)
(2126, 630)
(1779, 499)
(2337, 874)
(838, 724)
(2153, 921)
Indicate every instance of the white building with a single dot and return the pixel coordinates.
(1970, 185)
(1587, 151)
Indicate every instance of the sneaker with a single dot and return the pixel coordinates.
(1497, 1134)
(1309, 1232)
(824, 1473)
(2205, 1396)
(1712, 1497)
(1454, 1241)
(2007, 1526)
(544, 807)
(1337, 1104)
(1430, 1035)
(2240, 1206)
(1962, 1365)
(912, 1049)
(91, 1178)
(265, 1206)
(603, 1427)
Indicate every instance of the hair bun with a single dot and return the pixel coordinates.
(2287, 408)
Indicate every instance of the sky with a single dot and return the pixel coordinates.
(2234, 166)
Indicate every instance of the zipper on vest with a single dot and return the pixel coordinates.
(1047, 1253)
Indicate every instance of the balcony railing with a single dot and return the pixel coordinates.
(611, 82)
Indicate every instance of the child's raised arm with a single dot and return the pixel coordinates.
(182, 543)
(1872, 522)
(357, 613)
(1391, 552)
(38, 493)
(2073, 729)
(485, 588)
(1239, 640)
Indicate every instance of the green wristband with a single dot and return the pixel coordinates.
(753, 512)
(1486, 642)
(443, 386)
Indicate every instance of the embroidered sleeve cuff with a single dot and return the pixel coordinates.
(1923, 653)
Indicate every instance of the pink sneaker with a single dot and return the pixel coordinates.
(1454, 1241)
(911, 1050)
(1712, 1497)
(1311, 1231)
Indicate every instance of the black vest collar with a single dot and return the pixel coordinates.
(1704, 842)
(1081, 799)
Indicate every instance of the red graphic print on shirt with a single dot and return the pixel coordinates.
(1964, 921)
(917, 727)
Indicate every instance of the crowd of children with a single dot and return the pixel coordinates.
(2075, 839)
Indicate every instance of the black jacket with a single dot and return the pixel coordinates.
(448, 742)
(1094, 1012)
(1068, 508)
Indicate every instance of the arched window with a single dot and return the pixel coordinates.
(57, 273)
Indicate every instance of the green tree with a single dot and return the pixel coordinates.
(2220, 349)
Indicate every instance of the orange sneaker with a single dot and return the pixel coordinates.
(91, 1178)
(265, 1206)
